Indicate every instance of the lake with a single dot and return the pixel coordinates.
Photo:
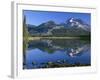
(55, 53)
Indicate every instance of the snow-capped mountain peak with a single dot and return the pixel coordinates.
(73, 22)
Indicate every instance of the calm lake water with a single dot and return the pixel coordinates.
(57, 53)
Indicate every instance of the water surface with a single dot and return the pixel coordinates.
(57, 53)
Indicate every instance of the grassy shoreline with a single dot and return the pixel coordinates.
(38, 38)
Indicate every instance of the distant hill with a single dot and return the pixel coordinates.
(72, 27)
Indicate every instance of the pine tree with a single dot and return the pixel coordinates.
(25, 41)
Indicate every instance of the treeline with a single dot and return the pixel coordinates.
(63, 32)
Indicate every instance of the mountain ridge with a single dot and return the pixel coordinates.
(71, 27)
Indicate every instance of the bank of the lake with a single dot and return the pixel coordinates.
(38, 38)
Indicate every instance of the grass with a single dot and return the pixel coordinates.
(38, 38)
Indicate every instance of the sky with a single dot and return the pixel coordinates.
(38, 17)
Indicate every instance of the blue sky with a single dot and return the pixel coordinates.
(38, 17)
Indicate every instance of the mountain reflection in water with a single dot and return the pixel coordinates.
(57, 53)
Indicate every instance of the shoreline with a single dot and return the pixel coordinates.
(38, 38)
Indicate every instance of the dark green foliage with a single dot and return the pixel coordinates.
(70, 32)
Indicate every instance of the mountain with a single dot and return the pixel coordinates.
(49, 24)
(72, 27)
(72, 22)
(42, 28)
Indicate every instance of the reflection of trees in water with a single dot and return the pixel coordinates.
(72, 47)
(70, 43)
